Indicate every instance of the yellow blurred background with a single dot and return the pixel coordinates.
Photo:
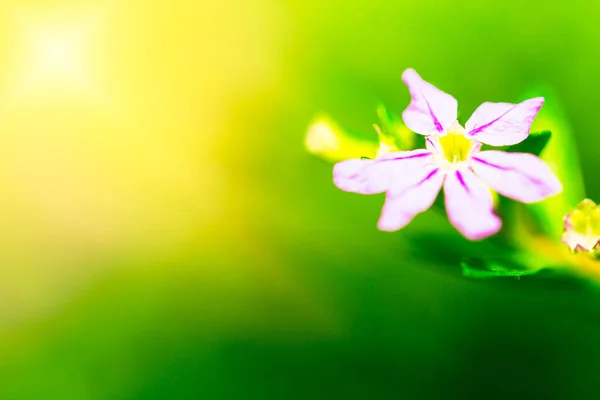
(111, 113)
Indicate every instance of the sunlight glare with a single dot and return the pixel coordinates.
(54, 55)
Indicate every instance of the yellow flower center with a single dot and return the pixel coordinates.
(456, 147)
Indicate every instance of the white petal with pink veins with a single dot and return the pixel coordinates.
(469, 205)
(430, 109)
(520, 176)
(503, 124)
(376, 176)
(404, 202)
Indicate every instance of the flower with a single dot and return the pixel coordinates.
(453, 160)
(582, 227)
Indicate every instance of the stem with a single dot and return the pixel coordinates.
(582, 264)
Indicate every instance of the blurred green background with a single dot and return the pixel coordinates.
(172, 238)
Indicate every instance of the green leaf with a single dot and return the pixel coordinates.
(480, 268)
(522, 223)
(534, 144)
(562, 157)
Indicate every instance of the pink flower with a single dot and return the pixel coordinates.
(453, 160)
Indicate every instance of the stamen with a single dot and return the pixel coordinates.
(377, 129)
(456, 147)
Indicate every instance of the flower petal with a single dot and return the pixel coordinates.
(410, 197)
(520, 176)
(430, 109)
(469, 205)
(376, 176)
(502, 124)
